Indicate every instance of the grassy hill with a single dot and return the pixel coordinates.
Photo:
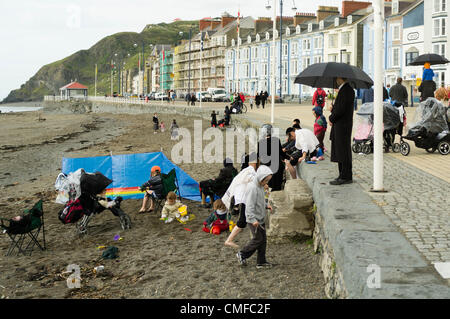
(81, 65)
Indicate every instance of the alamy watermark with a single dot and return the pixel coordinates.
(230, 143)
(374, 279)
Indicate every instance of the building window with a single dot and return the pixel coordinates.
(294, 48)
(285, 49)
(395, 32)
(439, 48)
(410, 56)
(317, 43)
(318, 59)
(395, 57)
(332, 40)
(332, 58)
(285, 68)
(345, 38)
(395, 7)
(306, 62)
(306, 44)
(439, 27)
(439, 78)
(439, 6)
(294, 66)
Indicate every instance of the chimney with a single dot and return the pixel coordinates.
(325, 11)
(348, 7)
(301, 17)
(226, 20)
(262, 24)
(215, 24)
(204, 23)
(286, 21)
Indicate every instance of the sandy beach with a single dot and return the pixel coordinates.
(156, 260)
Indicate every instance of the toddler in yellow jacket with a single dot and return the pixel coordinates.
(170, 209)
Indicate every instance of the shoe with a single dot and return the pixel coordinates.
(264, 265)
(321, 158)
(340, 181)
(241, 260)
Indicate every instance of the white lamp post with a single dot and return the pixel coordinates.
(378, 6)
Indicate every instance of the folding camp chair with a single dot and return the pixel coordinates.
(170, 184)
(24, 235)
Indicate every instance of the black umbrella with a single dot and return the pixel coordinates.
(93, 183)
(433, 59)
(324, 75)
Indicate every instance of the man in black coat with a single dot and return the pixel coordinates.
(341, 119)
(399, 93)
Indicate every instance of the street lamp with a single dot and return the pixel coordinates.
(268, 7)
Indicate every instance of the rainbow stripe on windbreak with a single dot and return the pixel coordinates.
(126, 192)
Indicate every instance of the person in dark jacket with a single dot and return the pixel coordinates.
(341, 119)
(153, 190)
(257, 100)
(399, 93)
(368, 95)
(218, 186)
(271, 154)
(213, 119)
(264, 98)
(427, 89)
(155, 123)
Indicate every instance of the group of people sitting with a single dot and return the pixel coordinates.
(244, 193)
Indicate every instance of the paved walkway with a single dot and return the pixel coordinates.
(418, 185)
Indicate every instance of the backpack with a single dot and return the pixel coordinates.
(72, 213)
(320, 99)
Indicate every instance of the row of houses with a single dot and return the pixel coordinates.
(242, 60)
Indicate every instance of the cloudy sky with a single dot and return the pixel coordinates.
(34, 33)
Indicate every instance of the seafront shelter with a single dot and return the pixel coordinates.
(73, 90)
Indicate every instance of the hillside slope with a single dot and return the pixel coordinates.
(81, 65)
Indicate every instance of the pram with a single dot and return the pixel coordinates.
(363, 139)
(430, 130)
(83, 189)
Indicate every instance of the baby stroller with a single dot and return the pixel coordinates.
(363, 140)
(84, 202)
(430, 130)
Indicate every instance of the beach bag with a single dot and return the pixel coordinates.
(72, 213)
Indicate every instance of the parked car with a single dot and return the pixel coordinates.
(161, 96)
(206, 97)
(218, 95)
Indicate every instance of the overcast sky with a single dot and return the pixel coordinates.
(35, 33)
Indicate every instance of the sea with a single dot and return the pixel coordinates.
(16, 109)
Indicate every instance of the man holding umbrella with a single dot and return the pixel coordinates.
(341, 119)
(328, 75)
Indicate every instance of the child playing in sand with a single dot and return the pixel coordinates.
(218, 218)
(170, 209)
(213, 119)
(162, 127)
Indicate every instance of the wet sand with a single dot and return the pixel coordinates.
(156, 260)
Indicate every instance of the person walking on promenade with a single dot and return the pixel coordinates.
(319, 98)
(257, 100)
(399, 93)
(341, 119)
(263, 99)
(255, 214)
